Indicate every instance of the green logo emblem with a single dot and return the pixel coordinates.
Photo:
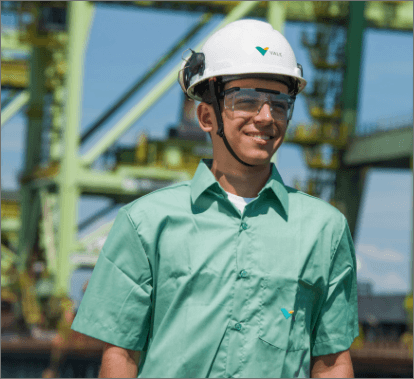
(262, 51)
(286, 313)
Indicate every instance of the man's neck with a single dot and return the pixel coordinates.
(246, 182)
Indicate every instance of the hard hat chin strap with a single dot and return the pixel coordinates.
(220, 130)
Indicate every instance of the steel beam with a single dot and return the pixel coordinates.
(243, 9)
(391, 15)
(100, 232)
(10, 225)
(350, 182)
(411, 236)
(133, 180)
(14, 106)
(353, 53)
(10, 97)
(48, 231)
(388, 15)
(80, 18)
(29, 207)
(276, 15)
(10, 40)
(14, 74)
(96, 216)
(387, 146)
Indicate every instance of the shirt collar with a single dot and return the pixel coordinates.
(204, 179)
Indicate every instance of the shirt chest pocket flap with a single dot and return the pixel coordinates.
(284, 318)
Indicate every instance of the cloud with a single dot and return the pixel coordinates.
(386, 255)
(360, 263)
(392, 282)
(389, 282)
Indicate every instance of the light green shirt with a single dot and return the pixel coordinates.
(206, 289)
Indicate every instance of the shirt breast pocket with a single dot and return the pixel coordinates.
(284, 318)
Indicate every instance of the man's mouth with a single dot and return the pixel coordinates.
(260, 136)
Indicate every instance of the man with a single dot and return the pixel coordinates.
(231, 274)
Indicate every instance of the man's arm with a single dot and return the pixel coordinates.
(118, 362)
(337, 365)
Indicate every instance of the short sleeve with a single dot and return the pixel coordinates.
(116, 307)
(337, 323)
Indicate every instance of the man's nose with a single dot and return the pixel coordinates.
(264, 114)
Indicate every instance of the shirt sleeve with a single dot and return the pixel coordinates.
(116, 307)
(337, 324)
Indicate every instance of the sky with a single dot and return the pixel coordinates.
(124, 43)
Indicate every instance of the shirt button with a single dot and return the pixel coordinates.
(243, 274)
(244, 225)
(238, 326)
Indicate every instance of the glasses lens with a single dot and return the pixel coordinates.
(279, 109)
(247, 103)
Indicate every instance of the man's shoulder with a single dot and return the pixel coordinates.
(163, 199)
(313, 204)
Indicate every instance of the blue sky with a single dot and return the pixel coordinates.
(124, 43)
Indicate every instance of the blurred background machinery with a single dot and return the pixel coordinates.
(42, 66)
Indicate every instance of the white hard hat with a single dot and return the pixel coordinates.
(244, 47)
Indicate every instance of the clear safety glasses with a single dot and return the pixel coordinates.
(247, 103)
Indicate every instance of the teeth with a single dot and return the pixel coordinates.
(259, 136)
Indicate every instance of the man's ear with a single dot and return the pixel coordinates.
(206, 119)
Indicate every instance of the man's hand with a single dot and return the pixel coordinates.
(118, 362)
(337, 365)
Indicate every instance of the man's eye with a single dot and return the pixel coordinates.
(279, 106)
(246, 102)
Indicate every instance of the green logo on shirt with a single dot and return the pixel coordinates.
(286, 313)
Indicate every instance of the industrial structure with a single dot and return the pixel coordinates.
(41, 224)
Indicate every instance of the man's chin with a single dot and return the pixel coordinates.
(257, 161)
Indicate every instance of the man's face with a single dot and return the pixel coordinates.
(238, 130)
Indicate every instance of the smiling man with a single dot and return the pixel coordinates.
(255, 112)
(230, 274)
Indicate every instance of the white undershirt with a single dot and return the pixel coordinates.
(238, 201)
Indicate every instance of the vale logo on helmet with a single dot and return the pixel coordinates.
(263, 51)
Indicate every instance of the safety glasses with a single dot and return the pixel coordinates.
(247, 103)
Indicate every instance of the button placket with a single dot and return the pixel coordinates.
(243, 274)
(243, 226)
